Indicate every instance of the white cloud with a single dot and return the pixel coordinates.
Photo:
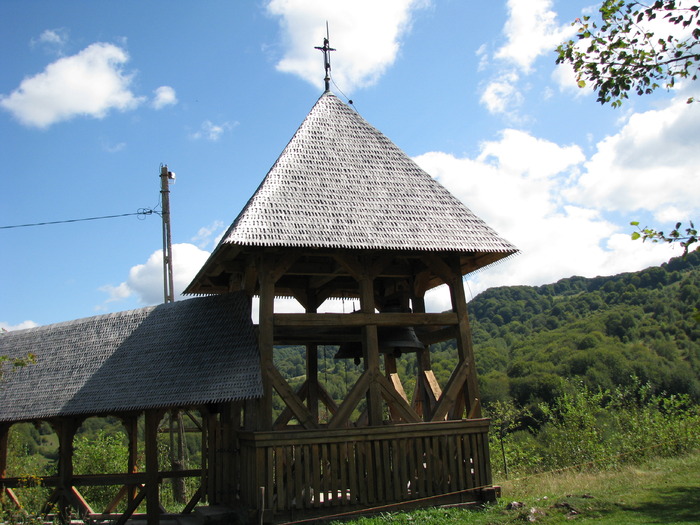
(204, 234)
(164, 96)
(90, 83)
(650, 164)
(210, 131)
(502, 95)
(366, 33)
(145, 281)
(21, 326)
(53, 38)
(517, 185)
(531, 30)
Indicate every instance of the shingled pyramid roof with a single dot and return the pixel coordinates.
(340, 183)
(185, 353)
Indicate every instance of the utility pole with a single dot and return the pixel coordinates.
(177, 454)
(165, 178)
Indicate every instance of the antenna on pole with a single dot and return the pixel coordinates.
(165, 177)
(326, 58)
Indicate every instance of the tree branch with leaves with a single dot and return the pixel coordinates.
(636, 47)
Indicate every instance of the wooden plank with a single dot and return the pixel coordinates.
(421, 468)
(280, 480)
(360, 319)
(449, 396)
(342, 416)
(461, 466)
(298, 478)
(269, 481)
(286, 415)
(351, 455)
(196, 498)
(290, 398)
(316, 489)
(379, 470)
(308, 476)
(328, 469)
(396, 401)
(395, 460)
(131, 508)
(12, 497)
(413, 465)
(327, 400)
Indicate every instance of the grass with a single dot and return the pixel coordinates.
(666, 491)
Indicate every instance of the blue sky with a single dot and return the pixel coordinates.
(95, 96)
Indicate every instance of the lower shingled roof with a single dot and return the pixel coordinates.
(185, 353)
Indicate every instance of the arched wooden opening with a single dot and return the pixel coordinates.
(23, 465)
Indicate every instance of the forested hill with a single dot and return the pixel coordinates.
(605, 331)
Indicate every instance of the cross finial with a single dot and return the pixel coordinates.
(326, 58)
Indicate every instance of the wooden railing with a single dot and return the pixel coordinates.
(134, 483)
(300, 470)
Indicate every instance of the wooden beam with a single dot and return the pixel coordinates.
(290, 399)
(397, 402)
(286, 415)
(359, 319)
(454, 387)
(359, 389)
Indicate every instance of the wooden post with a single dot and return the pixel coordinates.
(4, 441)
(465, 350)
(152, 471)
(265, 341)
(130, 424)
(312, 366)
(65, 428)
(370, 350)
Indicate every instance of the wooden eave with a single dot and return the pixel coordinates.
(233, 269)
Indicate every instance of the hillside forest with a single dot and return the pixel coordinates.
(583, 370)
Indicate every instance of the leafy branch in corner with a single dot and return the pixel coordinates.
(685, 238)
(621, 53)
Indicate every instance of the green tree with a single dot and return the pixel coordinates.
(629, 50)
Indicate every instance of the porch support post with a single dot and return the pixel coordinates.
(130, 424)
(65, 429)
(152, 475)
(4, 441)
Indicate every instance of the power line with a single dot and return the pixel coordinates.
(142, 213)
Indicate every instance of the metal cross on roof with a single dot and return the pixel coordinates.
(326, 58)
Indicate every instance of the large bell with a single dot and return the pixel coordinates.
(393, 340)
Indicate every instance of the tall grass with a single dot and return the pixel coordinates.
(592, 429)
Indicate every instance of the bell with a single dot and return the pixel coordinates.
(398, 339)
(350, 351)
(393, 340)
